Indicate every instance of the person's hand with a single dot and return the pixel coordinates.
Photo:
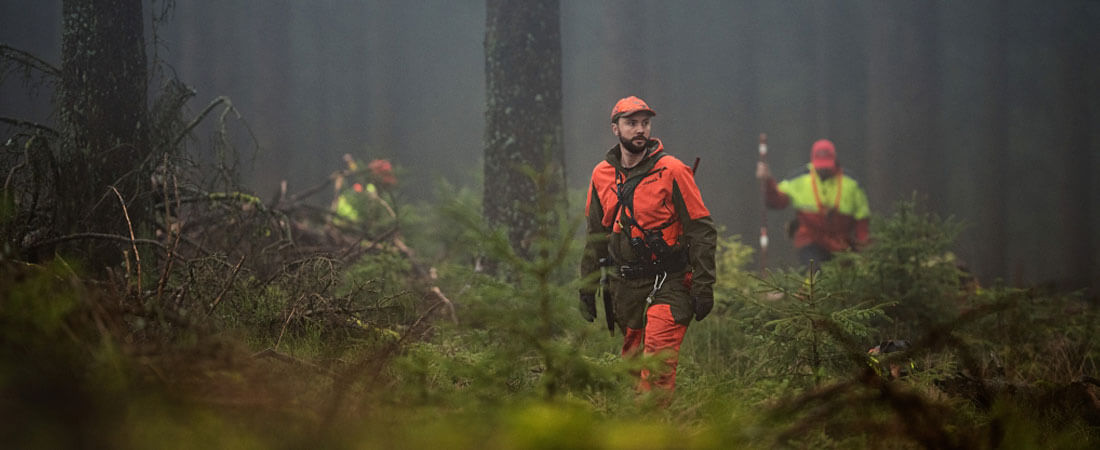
(762, 171)
(588, 307)
(703, 305)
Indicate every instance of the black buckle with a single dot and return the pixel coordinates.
(635, 272)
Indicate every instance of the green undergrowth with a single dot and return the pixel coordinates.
(363, 355)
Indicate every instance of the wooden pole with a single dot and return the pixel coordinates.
(763, 206)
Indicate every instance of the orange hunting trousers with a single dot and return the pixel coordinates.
(661, 334)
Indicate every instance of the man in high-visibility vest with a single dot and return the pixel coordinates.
(831, 209)
(358, 198)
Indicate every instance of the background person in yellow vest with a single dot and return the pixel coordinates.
(358, 198)
(831, 209)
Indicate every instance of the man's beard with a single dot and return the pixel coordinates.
(628, 144)
(825, 174)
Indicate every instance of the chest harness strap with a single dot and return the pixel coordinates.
(653, 256)
(624, 190)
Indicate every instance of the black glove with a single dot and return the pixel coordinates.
(703, 306)
(588, 306)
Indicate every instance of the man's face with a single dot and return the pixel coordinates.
(826, 172)
(633, 131)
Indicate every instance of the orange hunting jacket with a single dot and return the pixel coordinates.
(666, 194)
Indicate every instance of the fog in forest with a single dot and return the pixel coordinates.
(988, 110)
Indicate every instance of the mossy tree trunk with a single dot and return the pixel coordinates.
(524, 116)
(104, 116)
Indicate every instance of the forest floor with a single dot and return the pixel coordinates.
(360, 343)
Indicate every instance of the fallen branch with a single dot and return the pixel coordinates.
(29, 60)
(202, 115)
(443, 298)
(168, 227)
(27, 124)
(26, 160)
(374, 363)
(225, 289)
(130, 227)
(92, 235)
(286, 322)
(426, 273)
(274, 354)
(340, 174)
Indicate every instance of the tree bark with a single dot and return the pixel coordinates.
(524, 115)
(1074, 148)
(627, 58)
(104, 116)
(902, 101)
(973, 118)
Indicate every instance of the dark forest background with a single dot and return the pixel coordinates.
(989, 110)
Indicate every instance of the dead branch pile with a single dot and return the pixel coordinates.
(288, 242)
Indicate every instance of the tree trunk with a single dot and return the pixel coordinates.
(840, 88)
(902, 109)
(973, 118)
(823, 91)
(265, 59)
(386, 48)
(103, 111)
(1092, 163)
(524, 119)
(993, 223)
(626, 51)
(1074, 148)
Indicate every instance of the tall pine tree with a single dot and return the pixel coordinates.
(524, 117)
(104, 118)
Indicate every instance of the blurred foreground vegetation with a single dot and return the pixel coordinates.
(375, 347)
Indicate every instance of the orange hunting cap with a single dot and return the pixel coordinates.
(823, 154)
(629, 106)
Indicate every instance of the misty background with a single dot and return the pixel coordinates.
(988, 109)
